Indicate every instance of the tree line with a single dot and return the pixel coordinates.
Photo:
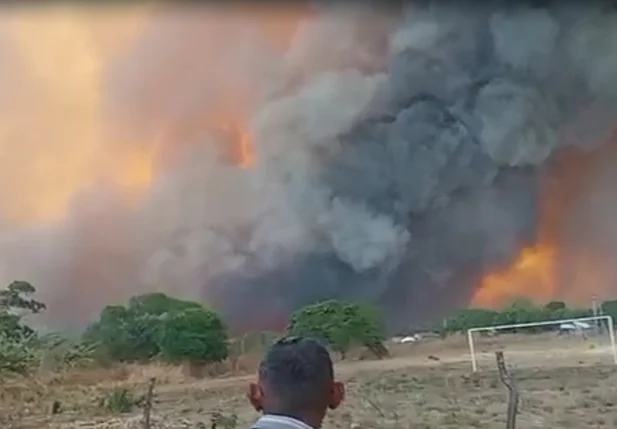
(155, 326)
(520, 311)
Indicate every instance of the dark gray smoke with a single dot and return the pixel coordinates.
(436, 180)
(398, 155)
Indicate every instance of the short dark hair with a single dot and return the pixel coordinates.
(297, 372)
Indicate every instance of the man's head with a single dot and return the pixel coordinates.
(296, 378)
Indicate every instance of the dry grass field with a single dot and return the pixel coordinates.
(564, 383)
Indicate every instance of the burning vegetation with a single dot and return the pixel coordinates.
(421, 158)
(571, 256)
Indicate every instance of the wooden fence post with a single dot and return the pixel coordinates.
(513, 394)
(148, 403)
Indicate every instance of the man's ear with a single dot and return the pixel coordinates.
(337, 395)
(255, 396)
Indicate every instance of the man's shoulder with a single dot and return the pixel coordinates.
(270, 421)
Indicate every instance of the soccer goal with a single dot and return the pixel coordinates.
(580, 325)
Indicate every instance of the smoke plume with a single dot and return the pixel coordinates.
(389, 155)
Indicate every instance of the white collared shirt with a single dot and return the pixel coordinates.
(274, 421)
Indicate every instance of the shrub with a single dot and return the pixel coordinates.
(341, 325)
(119, 400)
(18, 351)
(17, 355)
(193, 335)
(73, 354)
(12, 327)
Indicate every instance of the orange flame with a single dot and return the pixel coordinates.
(572, 259)
(52, 144)
(53, 141)
(530, 275)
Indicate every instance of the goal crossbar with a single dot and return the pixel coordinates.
(609, 321)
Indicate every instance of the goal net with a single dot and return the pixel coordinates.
(585, 339)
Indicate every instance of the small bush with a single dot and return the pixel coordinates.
(119, 400)
(193, 335)
(341, 325)
(77, 354)
(17, 355)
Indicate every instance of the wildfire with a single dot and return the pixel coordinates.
(530, 275)
(52, 143)
(53, 138)
(573, 258)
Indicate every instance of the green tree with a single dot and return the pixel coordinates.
(521, 311)
(158, 304)
(193, 335)
(132, 332)
(124, 335)
(341, 325)
(16, 302)
(18, 295)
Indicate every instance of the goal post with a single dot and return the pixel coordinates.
(608, 319)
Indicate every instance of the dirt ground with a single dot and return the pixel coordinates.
(564, 383)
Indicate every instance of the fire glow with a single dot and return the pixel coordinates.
(573, 257)
(134, 142)
(54, 143)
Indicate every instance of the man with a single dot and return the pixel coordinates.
(295, 386)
